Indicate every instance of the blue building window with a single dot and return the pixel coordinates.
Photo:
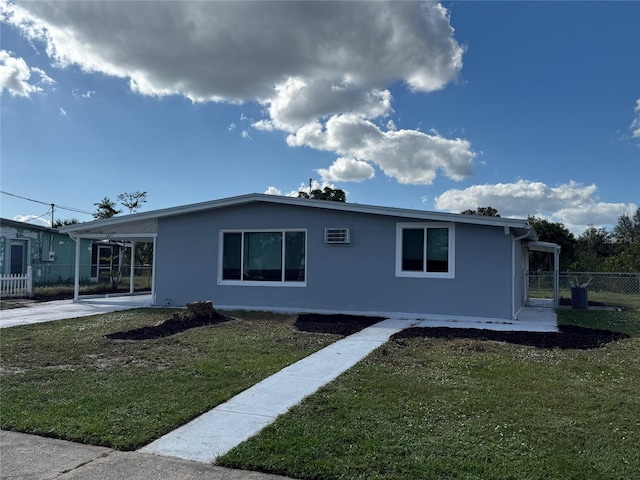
(425, 250)
(264, 257)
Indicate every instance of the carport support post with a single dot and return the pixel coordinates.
(76, 275)
(153, 273)
(556, 276)
(133, 263)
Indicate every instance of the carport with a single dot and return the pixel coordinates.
(551, 275)
(123, 231)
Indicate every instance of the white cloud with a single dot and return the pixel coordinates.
(574, 204)
(273, 191)
(347, 170)
(246, 135)
(62, 111)
(232, 127)
(88, 94)
(320, 69)
(635, 125)
(410, 156)
(16, 76)
(32, 219)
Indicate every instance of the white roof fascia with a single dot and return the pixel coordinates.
(543, 247)
(305, 202)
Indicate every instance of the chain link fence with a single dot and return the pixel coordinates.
(603, 289)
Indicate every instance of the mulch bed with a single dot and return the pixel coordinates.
(167, 328)
(345, 325)
(568, 337)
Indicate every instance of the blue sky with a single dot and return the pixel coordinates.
(530, 107)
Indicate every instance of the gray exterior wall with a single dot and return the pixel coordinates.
(520, 256)
(359, 277)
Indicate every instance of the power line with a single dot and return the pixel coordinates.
(49, 204)
(35, 218)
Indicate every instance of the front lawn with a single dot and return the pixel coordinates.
(64, 379)
(463, 408)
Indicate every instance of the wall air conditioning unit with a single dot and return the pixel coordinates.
(52, 256)
(337, 236)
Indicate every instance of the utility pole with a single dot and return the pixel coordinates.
(310, 180)
(53, 207)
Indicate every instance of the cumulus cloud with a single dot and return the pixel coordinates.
(16, 76)
(33, 220)
(347, 169)
(574, 204)
(273, 191)
(412, 157)
(321, 70)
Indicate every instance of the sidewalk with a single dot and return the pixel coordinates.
(219, 430)
(30, 457)
(198, 443)
(61, 309)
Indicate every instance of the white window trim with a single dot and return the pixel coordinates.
(254, 283)
(452, 241)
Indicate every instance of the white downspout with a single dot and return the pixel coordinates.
(153, 274)
(513, 272)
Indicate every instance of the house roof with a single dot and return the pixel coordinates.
(143, 226)
(17, 224)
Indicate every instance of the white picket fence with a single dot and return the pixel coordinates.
(17, 285)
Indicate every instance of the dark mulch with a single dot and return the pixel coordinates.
(344, 325)
(167, 328)
(568, 337)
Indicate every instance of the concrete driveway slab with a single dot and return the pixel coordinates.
(62, 309)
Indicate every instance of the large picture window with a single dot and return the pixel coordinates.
(255, 257)
(425, 250)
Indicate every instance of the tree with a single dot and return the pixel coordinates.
(106, 209)
(67, 221)
(628, 228)
(592, 248)
(484, 211)
(328, 193)
(133, 201)
(555, 233)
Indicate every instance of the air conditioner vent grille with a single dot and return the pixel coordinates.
(337, 236)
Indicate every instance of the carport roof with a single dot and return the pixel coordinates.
(144, 226)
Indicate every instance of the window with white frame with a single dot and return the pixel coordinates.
(425, 250)
(264, 257)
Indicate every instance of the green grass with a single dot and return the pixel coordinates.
(64, 379)
(624, 322)
(467, 409)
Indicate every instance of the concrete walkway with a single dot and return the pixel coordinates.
(216, 432)
(60, 309)
(31, 457)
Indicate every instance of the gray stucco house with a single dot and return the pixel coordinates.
(290, 254)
